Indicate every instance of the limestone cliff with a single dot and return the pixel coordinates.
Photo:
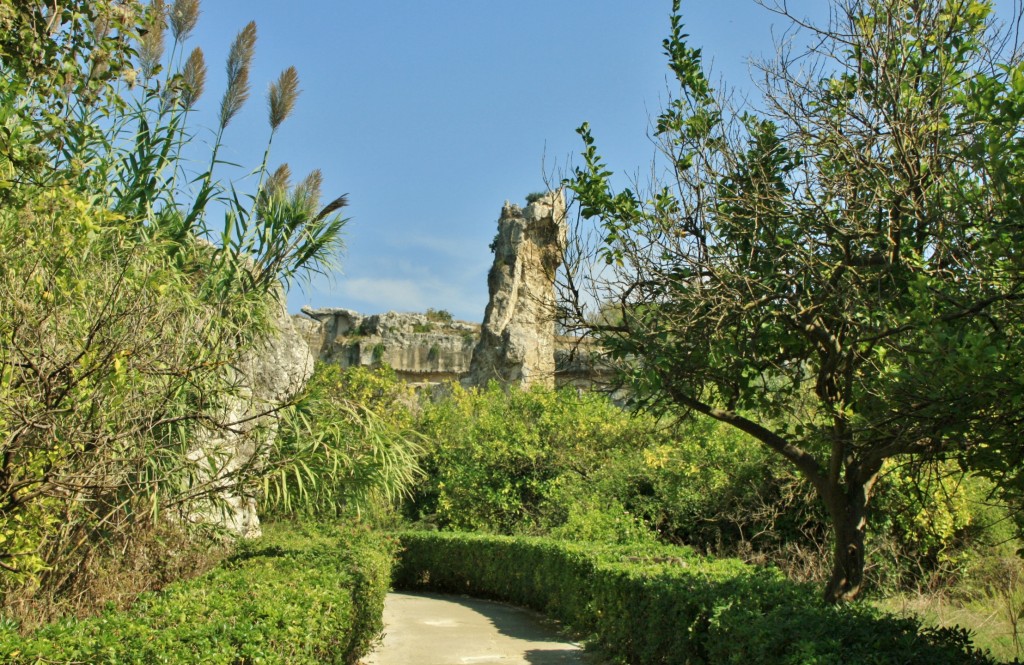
(516, 343)
(426, 350)
(517, 339)
(423, 349)
(266, 377)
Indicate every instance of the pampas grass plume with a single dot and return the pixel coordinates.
(239, 60)
(184, 17)
(282, 95)
(193, 76)
(151, 47)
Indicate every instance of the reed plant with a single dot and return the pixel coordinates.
(130, 287)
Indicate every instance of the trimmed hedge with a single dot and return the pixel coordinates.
(658, 604)
(297, 595)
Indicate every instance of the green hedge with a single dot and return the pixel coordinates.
(655, 604)
(297, 595)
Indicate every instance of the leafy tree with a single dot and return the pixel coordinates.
(836, 272)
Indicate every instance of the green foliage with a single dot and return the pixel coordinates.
(439, 315)
(835, 272)
(129, 311)
(347, 447)
(101, 325)
(710, 488)
(520, 461)
(576, 467)
(606, 522)
(656, 604)
(297, 595)
(533, 197)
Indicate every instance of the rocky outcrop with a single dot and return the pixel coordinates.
(516, 344)
(423, 349)
(428, 350)
(266, 377)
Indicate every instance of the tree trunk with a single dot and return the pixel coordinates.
(849, 523)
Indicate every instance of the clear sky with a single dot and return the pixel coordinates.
(431, 113)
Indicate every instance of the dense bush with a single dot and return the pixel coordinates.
(543, 462)
(348, 446)
(312, 595)
(659, 604)
(528, 461)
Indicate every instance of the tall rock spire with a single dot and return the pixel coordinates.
(517, 339)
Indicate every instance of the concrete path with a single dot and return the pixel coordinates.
(431, 629)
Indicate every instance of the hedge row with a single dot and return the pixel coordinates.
(667, 605)
(297, 595)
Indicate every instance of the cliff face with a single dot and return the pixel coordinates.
(426, 352)
(516, 344)
(423, 349)
(517, 340)
(266, 377)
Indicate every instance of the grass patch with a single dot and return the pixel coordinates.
(988, 618)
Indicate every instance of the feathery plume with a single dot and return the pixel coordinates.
(333, 206)
(240, 55)
(184, 16)
(193, 76)
(151, 47)
(282, 95)
(239, 60)
(307, 192)
(279, 181)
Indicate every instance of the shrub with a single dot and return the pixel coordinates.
(439, 315)
(658, 604)
(348, 446)
(519, 461)
(298, 595)
(129, 310)
(934, 524)
(544, 462)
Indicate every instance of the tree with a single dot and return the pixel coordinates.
(836, 272)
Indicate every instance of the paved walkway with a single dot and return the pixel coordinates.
(431, 629)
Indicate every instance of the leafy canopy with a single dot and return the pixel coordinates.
(836, 272)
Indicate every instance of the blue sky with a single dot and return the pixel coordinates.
(430, 114)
